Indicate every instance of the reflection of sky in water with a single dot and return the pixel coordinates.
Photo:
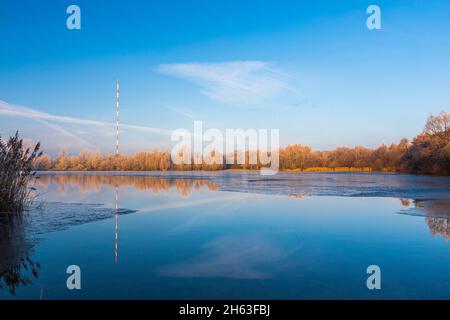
(184, 238)
(245, 257)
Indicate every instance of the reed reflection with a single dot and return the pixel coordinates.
(16, 265)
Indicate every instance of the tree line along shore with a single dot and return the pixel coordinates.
(427, 153)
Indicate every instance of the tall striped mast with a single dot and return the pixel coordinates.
(117, 116)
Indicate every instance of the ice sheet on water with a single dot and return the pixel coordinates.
(55, 216)
(436, 208)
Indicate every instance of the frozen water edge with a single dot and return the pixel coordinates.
(57, 216)
(309, 184)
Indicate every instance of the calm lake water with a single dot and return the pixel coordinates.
(231, 235)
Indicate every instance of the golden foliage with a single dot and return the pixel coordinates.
(428, 153)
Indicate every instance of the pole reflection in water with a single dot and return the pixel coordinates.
(116, 237)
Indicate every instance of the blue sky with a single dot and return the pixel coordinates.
(309, 68)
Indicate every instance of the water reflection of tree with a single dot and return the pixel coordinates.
(405, 202)
(439, 227)
(437, 216)
(16, 265)
(436, 212)
(89, 183)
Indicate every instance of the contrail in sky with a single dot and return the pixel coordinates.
(26, 112)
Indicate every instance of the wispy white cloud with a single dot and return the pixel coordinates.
(26, 112)
(182, 111)
(20, 111)
(66, 133)
(235, 82)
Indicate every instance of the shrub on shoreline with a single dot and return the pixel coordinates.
(16, 171)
